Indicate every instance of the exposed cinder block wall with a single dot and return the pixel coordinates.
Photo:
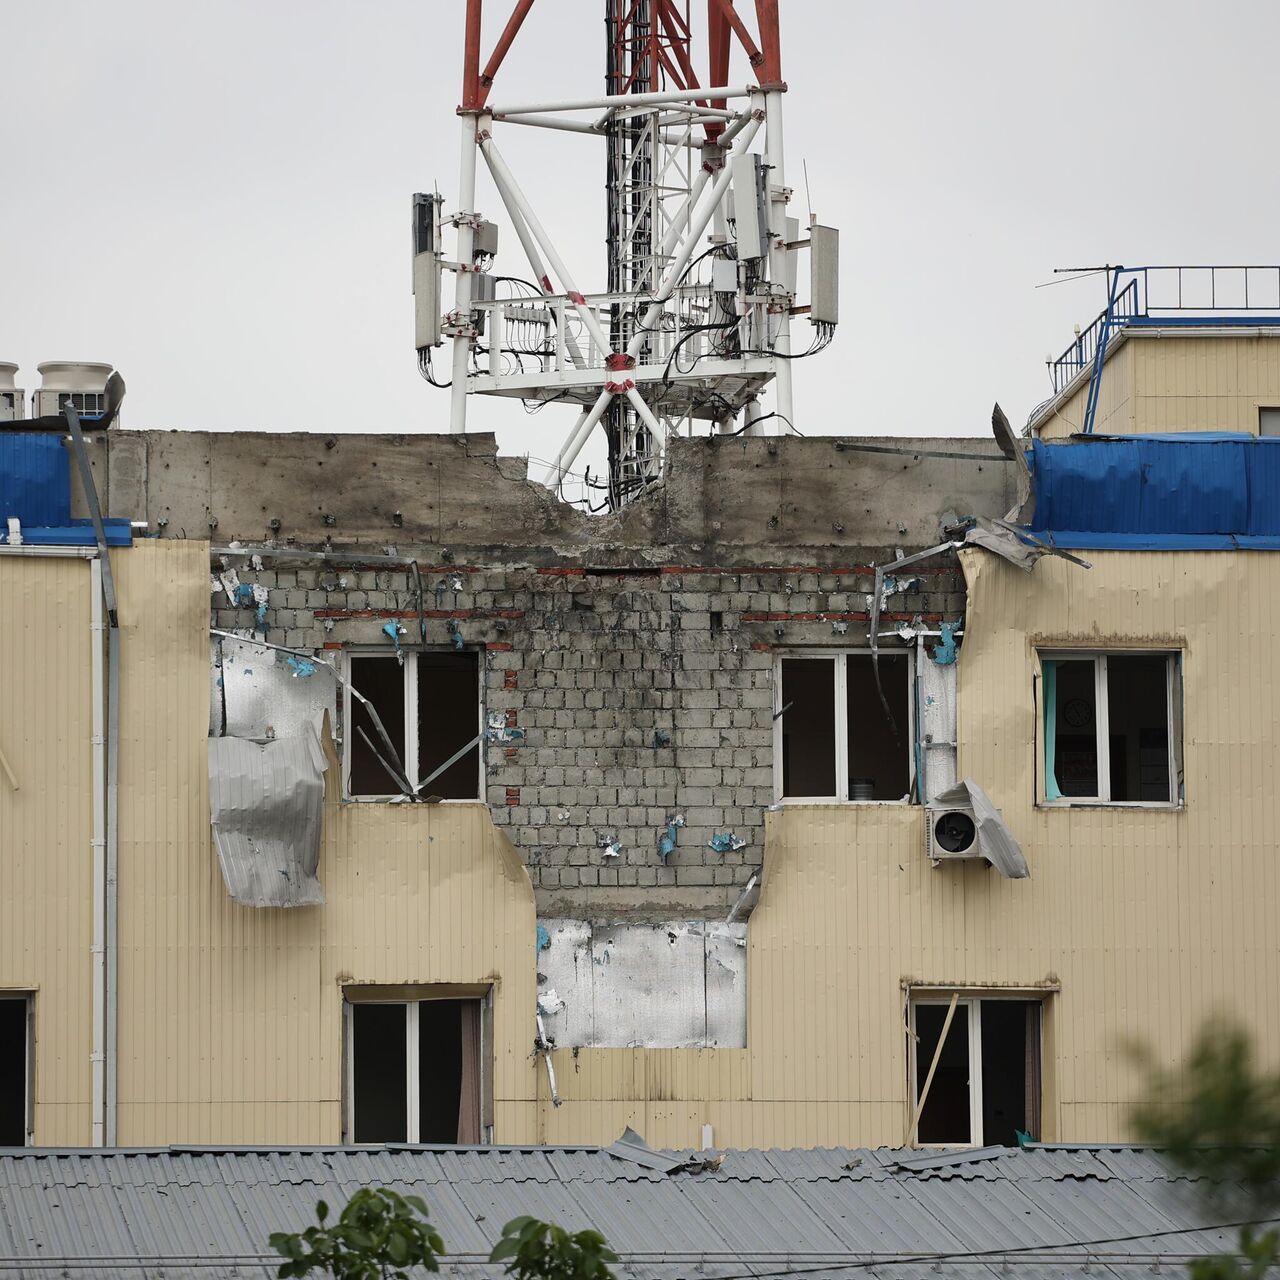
(641, 697)
(635, 653)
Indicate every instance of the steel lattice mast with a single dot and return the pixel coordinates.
(695, 319)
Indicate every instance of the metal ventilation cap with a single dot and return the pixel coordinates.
(73, 375)
(8, 374)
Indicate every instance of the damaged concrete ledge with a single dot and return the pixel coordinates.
(347, 490)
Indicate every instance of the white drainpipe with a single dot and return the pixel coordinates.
(98, 1057)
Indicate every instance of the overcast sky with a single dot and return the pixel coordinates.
(215, 197)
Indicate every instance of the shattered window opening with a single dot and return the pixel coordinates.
(15, 1069)
(1112, 728)
(986, 1088)
(415, 1071)
(430, 706)
(833, 740)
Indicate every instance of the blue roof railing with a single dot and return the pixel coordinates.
(1167, 296)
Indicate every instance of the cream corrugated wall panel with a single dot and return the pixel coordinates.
(1164, 911)
(1204, 383)
(1115, 400)
(46, 826)
(231, 1016)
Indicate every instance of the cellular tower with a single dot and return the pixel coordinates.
(696, 318)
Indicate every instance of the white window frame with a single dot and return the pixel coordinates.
(409, 674)
(969, 1006)
(1102, 727)
(841, 695)
(412, 1048)
(27, 998)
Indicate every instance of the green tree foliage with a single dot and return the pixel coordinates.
(536, 1250)
(379, 1235)
(1218, 1118)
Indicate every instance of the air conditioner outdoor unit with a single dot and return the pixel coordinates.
(951, 832)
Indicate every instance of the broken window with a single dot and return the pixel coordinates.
(15, 1070)
(429, 705)
(984, 1088)
(834, 739)
(414, 1071)
(1111, 727)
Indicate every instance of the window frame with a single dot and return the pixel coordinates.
(412, 997)
(1263, 407)
(971, 1000)
(409, 676)
(1102, 725)
(840, 693)
(28, 999)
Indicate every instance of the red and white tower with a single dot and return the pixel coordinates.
(695, 321)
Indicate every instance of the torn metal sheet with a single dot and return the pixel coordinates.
(266, 802)
(680, 985)
(1012, 448)
(936, 718)
(257, 694)
(995, 841)
(1005, 543)
(633, 1148)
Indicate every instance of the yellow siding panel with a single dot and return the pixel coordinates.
(1146, 921)
(231, 1016)
(46, 826)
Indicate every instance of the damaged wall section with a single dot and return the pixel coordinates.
(677, 985)
(626, 662)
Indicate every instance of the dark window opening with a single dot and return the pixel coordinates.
(379, 1073)
(1010, 1070)
(1119, 751)
(13, 1071)
(416, 1072)
(448, 718)
(1076, 741)
(448, 1065)
(808, 727)
(381, 680)
(946, 1117)
(879, 765)
(1138, 711)
(1003, 1096)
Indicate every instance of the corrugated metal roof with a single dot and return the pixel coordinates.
(837, 1212)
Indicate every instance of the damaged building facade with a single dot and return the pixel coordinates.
(438, 811)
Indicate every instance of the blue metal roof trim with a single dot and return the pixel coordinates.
(1194, 492)
(79, 533)
(35, 478)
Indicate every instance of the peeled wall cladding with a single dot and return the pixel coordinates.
(231, 1016)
